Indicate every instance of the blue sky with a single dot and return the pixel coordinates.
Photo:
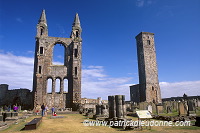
(109, 60)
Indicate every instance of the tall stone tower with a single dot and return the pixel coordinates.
(44, 68)
(148, 88)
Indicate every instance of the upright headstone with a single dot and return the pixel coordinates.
(104, 110)
(149, 108)
(159, 109)
(169, 109)
(183, 109)
(191, 106)
(98, 109)
(1, 118)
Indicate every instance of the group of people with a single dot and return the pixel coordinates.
(44, 110)
(9, 108)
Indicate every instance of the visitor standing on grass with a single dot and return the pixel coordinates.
(53, 110)
(15, 108)
(43, 109)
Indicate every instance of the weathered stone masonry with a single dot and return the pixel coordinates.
(148, 88)
(44, 68)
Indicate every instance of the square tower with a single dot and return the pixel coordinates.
(149, 89)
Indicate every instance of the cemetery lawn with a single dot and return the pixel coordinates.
(72, 123)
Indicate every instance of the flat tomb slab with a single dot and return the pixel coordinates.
(33, 124)
(53, 117)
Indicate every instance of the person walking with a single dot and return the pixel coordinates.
(43, 109)
(52, 110)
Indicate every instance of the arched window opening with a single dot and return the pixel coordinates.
(49, 85)
(65, 85)
(57, 89)
(58, 54)
(152, 88)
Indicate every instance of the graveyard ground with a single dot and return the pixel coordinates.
(72, 123)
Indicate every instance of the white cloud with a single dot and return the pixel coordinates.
(191, 88)
(17, 72)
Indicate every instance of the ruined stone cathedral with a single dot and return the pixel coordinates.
(44, 68)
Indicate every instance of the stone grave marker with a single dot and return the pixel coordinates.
(159, 109)
(149, 108)
(183, 109)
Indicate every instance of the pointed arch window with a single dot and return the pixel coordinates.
(58, 54)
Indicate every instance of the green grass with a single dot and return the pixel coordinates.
(73, 123)
(170, 114)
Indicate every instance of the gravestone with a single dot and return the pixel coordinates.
(191, 106)
(169, 109)
(183, 109)
(14, 114)
(101, 112)
(149, 108)
(159, 109)
(143, 105)
(8, 114)
(104, 110)
(1, 118)
(98, 109)
(90, 112)
(19, 108)
(153, 108)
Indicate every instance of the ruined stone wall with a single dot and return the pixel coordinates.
(20, 97)
(134, 93)
(44, 68)
(3, 90)
(93, 101)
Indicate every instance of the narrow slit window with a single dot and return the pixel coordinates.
(40, 69)
(152, 88)
(76, 52)
(75, 71)
(41, 32)
(148, 42)
(77, 34)
(41, 50)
